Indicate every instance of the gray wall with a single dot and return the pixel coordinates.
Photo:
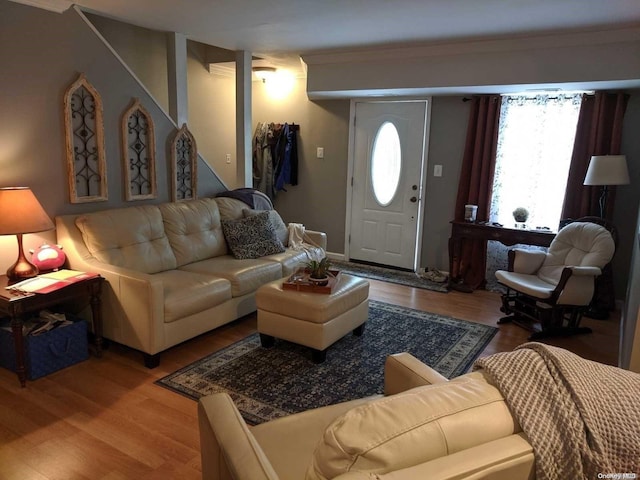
(319, 199)
(42, 53)
(211, 98)
(627, 200)
(449, 116)
(212, 115)
(143, 50)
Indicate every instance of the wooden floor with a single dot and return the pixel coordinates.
(105, 418)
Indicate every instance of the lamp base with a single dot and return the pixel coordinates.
(21, 271)
(23, 268)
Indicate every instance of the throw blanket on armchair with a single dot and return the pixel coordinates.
(582, 417)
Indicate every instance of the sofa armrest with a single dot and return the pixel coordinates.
(317, 239)
(576, 286)
(227, 447)
(586, 271)
(403, 371)
(136, 314)
(133, 302)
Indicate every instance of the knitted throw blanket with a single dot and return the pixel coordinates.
(582, 417)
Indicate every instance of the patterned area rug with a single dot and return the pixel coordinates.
(269, 383)
(410, 279)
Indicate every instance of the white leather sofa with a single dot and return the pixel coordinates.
(170, 276)
(425, 427)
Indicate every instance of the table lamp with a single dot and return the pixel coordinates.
(20, 213)
(606, 170)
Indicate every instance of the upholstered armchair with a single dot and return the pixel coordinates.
(548, 292)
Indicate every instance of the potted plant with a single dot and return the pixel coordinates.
(319, 271)
(521, 214)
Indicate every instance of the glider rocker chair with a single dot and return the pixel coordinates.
(548, 292)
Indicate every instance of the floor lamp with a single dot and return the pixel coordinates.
(20, 213)
(604, 170)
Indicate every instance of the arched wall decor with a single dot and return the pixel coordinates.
(138, 153)
(84, 129)
(184, 157)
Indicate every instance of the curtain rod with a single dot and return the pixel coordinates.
(533, 95)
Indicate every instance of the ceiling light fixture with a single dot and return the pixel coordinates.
(263, 73)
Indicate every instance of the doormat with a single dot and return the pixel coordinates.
(410, 279)
(268, 383)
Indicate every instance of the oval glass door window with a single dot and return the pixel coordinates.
(386, 163)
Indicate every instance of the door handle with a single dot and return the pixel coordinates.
(413, 199)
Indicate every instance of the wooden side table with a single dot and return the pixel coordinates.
(17, 305)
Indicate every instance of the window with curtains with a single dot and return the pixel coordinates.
(535, 143)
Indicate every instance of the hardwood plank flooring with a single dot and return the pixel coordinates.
(105, 419)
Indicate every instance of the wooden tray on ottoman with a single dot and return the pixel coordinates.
(300, 281)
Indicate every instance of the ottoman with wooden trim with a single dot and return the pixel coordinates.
(314, 320)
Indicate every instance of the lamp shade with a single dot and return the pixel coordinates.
(20, 212)
(607, 170)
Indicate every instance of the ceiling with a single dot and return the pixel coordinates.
(283, 29)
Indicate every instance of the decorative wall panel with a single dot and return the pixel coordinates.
(184, 158)
(138, 153)
(84, 129)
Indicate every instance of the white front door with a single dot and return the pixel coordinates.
(387, 182)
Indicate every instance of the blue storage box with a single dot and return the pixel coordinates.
(48, 352)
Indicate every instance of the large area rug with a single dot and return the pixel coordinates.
(410, 279)
(278, 381)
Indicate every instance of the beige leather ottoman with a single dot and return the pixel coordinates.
(315, 320)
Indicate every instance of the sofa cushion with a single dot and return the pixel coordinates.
(291, 260)
(251, 237)
(246, 276)
(194, 230)
(413, 427)
(282, 232)
(188, 293)
(131, 237)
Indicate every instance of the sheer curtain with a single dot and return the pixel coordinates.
(535, 144)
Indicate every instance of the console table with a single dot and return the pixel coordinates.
(481, 231)
(17, 306)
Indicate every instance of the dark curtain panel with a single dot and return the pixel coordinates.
(599, 132)
(476, 182)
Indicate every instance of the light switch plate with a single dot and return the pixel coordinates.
(320, 152)
(437, 170)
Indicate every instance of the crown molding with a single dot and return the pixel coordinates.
(629, 34)
(57, 6)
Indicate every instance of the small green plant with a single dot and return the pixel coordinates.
(521, 214)
(318, 268)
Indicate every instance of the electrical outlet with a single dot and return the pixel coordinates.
(228, 156)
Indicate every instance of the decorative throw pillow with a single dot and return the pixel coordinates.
(282, 232)
(251, 237)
